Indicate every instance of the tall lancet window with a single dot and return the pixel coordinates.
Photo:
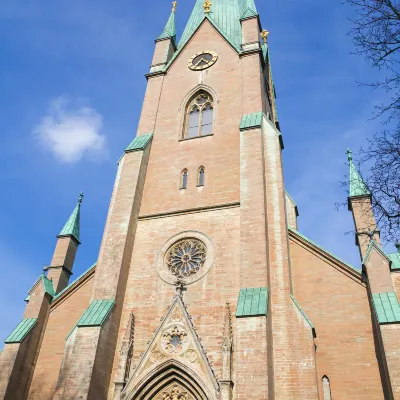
(326, 388)
(184, 179)
(200, 179)
(200, 114)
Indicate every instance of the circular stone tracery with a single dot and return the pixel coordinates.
(186, 257)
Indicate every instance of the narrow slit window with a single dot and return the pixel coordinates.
(201, 177)
(200, 116)
(184, 179)
(326, 388)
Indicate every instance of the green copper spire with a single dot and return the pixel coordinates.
(224, 15)
(357, 185)
(72, 226)
(247, 9)
(169, 31)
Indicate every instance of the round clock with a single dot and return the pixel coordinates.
(204, 59)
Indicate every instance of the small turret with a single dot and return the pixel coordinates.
(64, 254)
(357, 185)
(165, 43)
(360, 205)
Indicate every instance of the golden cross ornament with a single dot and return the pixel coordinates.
(264, 34)
(174, 4)
(207, 6)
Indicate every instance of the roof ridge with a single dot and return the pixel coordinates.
(75, 282)
(358, 270)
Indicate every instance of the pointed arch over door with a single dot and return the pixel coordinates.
(172, 380)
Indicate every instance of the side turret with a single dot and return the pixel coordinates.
(360, 205)
(60, 269)
(165, 43)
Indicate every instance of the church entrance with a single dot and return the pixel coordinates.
(175, 391)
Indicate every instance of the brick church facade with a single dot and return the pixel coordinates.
(204, 288)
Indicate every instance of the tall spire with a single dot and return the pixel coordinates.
(169, 31)
(357, 185)
(72, 226)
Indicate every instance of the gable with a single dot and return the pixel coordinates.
(225, 16)
(196, 37)
(175, 344)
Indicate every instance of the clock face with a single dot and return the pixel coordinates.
(202, 60)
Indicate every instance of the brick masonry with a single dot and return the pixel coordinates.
(243, 211)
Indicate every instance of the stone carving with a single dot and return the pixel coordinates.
(190, 355)
(175, 392)
(186, 257)
(174, 340)
(156, 356)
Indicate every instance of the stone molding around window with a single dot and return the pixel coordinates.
(199, 116)
(163, 264)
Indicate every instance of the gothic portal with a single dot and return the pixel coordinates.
(204, 288)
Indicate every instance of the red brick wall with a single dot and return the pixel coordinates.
(337, 304)
(391, 340)
(148, 296)
(63, 317)
(219, 154)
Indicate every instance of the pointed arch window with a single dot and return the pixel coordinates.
(326, 388)
(184, 179)
(199, 116)
(201, 176)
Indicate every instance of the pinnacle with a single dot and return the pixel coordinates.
(72, 226)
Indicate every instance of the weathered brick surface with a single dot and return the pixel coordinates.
(391, 340)
(148, 296)
(76, 372)
(163, 52)
(242, 210)
(251, 361)
(64, 256)
(253, 239)
(250, 31)
(378, 271)
(219, 154)
(396, 282)
(364, 221)
(19, 360)
(291, 214)
(64, 314)
(336, 301)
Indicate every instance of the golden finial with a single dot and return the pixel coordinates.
(174, 4)
(264, 34)
(207, 6)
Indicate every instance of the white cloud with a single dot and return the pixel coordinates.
(70, 131)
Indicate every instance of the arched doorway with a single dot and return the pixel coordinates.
(170, 381)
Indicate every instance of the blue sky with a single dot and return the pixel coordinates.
(79, 66)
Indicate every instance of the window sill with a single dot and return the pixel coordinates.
(196, 137)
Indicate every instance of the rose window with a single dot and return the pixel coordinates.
(186, 257)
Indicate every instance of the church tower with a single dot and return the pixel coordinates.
(204, 289)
